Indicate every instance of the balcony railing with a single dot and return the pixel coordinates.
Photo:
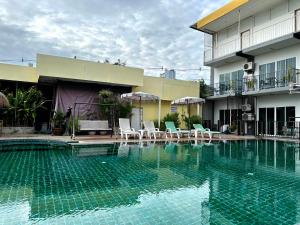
(227, 88)
(274, 80)
(270, 30)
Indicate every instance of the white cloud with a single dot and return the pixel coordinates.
(147, 34)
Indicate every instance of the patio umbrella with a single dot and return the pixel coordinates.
(139, 97)
(188, 101)
(3, 101)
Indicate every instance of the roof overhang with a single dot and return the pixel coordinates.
(230, 13)
(219, 13)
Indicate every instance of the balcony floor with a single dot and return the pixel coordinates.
(230, 58)
(274, 44)
(268, 91)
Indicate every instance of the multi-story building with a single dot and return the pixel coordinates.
(253, 49)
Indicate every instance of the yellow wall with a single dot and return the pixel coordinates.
(150, 110)
(18, 73)
(75, 69)
(168, 89)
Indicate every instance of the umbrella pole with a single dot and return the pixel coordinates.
(141, 125)
(189, 112)
(159, 112)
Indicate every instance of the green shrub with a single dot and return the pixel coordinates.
(58, 119)
(23, 107)
(76, 123)
(170, 117)
(192, 120)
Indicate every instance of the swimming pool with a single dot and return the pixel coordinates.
(246, 182)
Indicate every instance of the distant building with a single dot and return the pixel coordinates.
(169, 74)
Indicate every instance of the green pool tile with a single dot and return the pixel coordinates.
(238, 182)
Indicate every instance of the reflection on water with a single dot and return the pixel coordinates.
(152, 183)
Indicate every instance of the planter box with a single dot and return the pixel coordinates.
(18, 130)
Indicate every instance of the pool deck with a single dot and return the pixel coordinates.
(102, 139)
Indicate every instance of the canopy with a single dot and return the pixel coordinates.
(139, 96)
(188, 100)
(3, 101)
(142, 96)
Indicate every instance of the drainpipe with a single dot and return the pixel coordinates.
(239, 29)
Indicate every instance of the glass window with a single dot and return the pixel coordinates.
(281, 72)
(290, 116)
(290, 69)
(270, 121)
(234, 79)
(267, 75)
(262, 121)
(280, 118)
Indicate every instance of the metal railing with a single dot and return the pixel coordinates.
(270, 30)
(274, 80)
(226, 88)
(278, 128)
(289, 129)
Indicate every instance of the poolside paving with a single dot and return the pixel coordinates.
(98, 139)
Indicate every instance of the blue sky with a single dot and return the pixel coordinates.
(145, 34)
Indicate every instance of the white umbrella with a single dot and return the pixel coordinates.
(188, 101)
(140, 96)
(3, 101)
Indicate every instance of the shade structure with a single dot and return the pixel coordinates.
(139, 96)
(142, 96)
(188, 101)
(3, 101)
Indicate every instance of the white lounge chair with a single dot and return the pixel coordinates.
(126, 130)
(151, 130)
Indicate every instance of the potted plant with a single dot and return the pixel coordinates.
(58, 122)
(251, 84)
(233, 127)
(289, 76)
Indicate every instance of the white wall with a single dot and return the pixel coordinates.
(228, 68)
(263, 26)
(222, 105)
(293, 5)
(274, 101)
(274, 56)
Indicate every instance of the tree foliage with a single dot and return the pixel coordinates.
(23, 106)
(204, 89)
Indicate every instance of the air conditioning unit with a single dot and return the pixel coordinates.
(248, 116)
(246, 108)
(249, 66)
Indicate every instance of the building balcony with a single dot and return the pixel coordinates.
(276, 82)
(276, 34)
(225, 89)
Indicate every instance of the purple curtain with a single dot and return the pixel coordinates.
(68, 94)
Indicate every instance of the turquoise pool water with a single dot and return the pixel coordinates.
(240, 182)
